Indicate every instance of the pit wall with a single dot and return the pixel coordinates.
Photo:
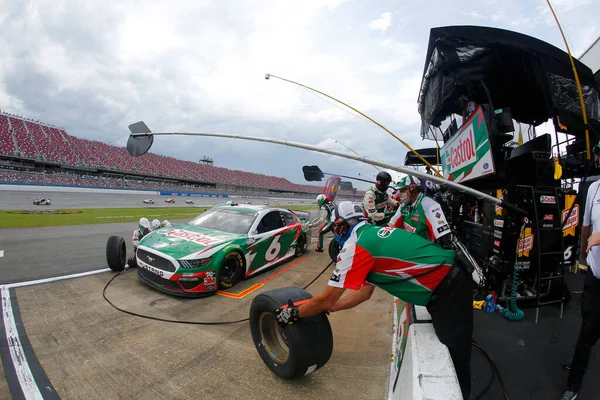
(421, 367)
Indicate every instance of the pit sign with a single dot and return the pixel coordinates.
(468, 154)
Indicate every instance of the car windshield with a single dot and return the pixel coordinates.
(225, 220)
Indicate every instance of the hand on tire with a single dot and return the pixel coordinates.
(288, 315)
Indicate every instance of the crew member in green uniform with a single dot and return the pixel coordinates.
(326, 209)
(405, 265)
(420, 214)
(377, 201)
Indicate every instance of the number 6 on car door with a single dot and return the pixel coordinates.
(273, 250)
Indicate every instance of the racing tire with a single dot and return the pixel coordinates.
(231, 270)
(116, 253)
(334, 250)
(295, 350)
(300, 245)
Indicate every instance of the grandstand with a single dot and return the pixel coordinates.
(38, 153)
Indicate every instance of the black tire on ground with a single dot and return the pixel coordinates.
(300, 245)
(116, 253)
(297, 349)
(334, 249)
(232, 270)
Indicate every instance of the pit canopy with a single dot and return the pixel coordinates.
(531, 77)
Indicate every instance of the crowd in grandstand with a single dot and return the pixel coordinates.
(37, 141)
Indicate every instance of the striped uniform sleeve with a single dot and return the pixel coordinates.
(353, 265)
(437, 225)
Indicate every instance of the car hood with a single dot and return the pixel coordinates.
(182, 240)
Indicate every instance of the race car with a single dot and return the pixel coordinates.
(220, 247)
(148, 201)
(42, 201)
(170, 200)
(190, 201)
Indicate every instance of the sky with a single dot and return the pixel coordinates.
(94, 67)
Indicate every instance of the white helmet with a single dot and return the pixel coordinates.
(321, 199)
(156, 224)
(348, 209)
(144, 225)
(166, 222)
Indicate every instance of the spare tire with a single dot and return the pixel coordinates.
(116, 253)
(334, 250)
(294, 350)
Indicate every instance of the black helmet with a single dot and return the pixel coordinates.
(383, 181)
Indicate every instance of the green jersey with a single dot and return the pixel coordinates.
(397, 261)
(425, 218)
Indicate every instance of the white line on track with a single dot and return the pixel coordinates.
(26, 379)
(56, 278)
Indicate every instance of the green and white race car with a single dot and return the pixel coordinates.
(220, 247)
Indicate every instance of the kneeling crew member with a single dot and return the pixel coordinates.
(405, 265)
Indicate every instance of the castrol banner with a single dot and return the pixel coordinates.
(468, 155)
(331, 187)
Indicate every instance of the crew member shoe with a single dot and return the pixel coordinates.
(567, 364)
(319, 250)
(568, 395)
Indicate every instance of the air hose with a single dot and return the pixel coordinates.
(512, 312)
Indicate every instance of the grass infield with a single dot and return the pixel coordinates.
(87, 216)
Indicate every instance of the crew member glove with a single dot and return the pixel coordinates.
(287, 315)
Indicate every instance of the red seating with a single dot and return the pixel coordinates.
(26, 146)
(39, 140)
(7, 145)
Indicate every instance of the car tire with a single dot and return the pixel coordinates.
(295, 350)
(116, 253)
(231, 270)
(300, 245)
(334, 250)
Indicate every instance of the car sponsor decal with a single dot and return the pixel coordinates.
(547, 199)
(193, 237)
(497, 234)
(499, 223)
(549, 217)
(497, 243)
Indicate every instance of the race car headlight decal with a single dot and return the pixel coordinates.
(194, 263)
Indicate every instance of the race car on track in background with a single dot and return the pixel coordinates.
(190, 201)
(148, 201)
(42, 201)
(221, 246)
(170, 200)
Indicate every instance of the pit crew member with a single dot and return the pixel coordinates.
(590, 298)
(326, 209)
(156, 224)
(142, 230)
(420, 214)
(166, 222)
(377, 200)
(405, 265)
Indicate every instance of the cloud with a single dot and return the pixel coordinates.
(382, 23)
(95, 67)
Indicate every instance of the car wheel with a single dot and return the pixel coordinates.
(116, 253)
(300, 245)
(294, 350)
(231, 270)
(334, 250)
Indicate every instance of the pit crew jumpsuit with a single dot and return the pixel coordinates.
(425, 218)
(419, 272)
(137, 236)
(375, 204)
(325, 215)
